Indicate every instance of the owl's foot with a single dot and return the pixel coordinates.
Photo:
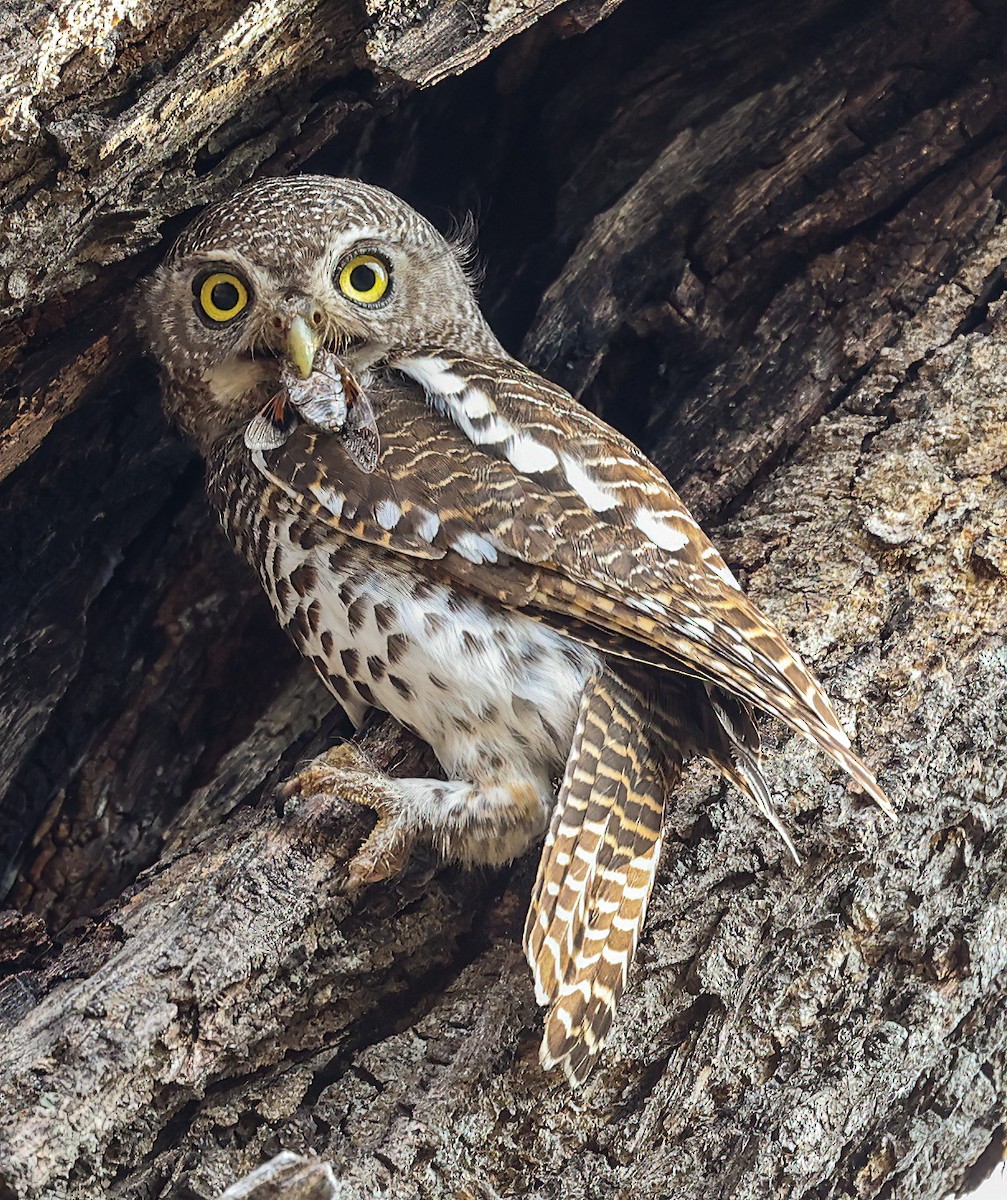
(347, 773)
(490, 824)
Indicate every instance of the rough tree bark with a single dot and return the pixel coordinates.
(766, 242)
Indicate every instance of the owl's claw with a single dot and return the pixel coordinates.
(345, 772)
(384, 855)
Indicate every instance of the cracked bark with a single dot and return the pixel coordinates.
(768, 244)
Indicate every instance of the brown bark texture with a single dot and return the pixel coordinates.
(767, 242)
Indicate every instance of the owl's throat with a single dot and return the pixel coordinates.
(220, 401)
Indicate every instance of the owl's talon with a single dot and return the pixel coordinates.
(322, 773)
(384, 855)
(345, 771)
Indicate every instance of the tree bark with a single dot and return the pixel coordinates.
(768, 244)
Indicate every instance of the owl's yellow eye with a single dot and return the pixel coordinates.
(364, 278)
(222, 296)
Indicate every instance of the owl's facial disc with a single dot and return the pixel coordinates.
(255, 311)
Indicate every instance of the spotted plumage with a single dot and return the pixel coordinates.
(505, 575)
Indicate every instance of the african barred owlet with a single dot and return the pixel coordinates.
(500, 571)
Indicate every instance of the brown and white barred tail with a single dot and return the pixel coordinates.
(597, 870)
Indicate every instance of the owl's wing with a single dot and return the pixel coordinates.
(629, 558)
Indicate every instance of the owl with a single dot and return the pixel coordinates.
(498, 569)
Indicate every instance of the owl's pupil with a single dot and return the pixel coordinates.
(224, 296)
(363, 278)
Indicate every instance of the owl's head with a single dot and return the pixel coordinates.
(286, 266)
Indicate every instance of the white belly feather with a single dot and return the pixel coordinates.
(483, 686)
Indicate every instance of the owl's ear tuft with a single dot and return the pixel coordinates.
(461, 237)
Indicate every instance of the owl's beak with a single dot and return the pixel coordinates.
(302, 344)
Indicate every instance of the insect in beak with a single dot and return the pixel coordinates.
(329, 399)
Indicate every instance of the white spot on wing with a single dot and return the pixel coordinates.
(526, 454)
(495, 430)
(433, 374)
(715, 565)
(654, 526)
(329, 499)
(475, 548)
(724, 575)
(427, 525)
(595, 496)
(476, 404)
(387, 514)
(484, 433)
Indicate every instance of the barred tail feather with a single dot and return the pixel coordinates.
(596, 872)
